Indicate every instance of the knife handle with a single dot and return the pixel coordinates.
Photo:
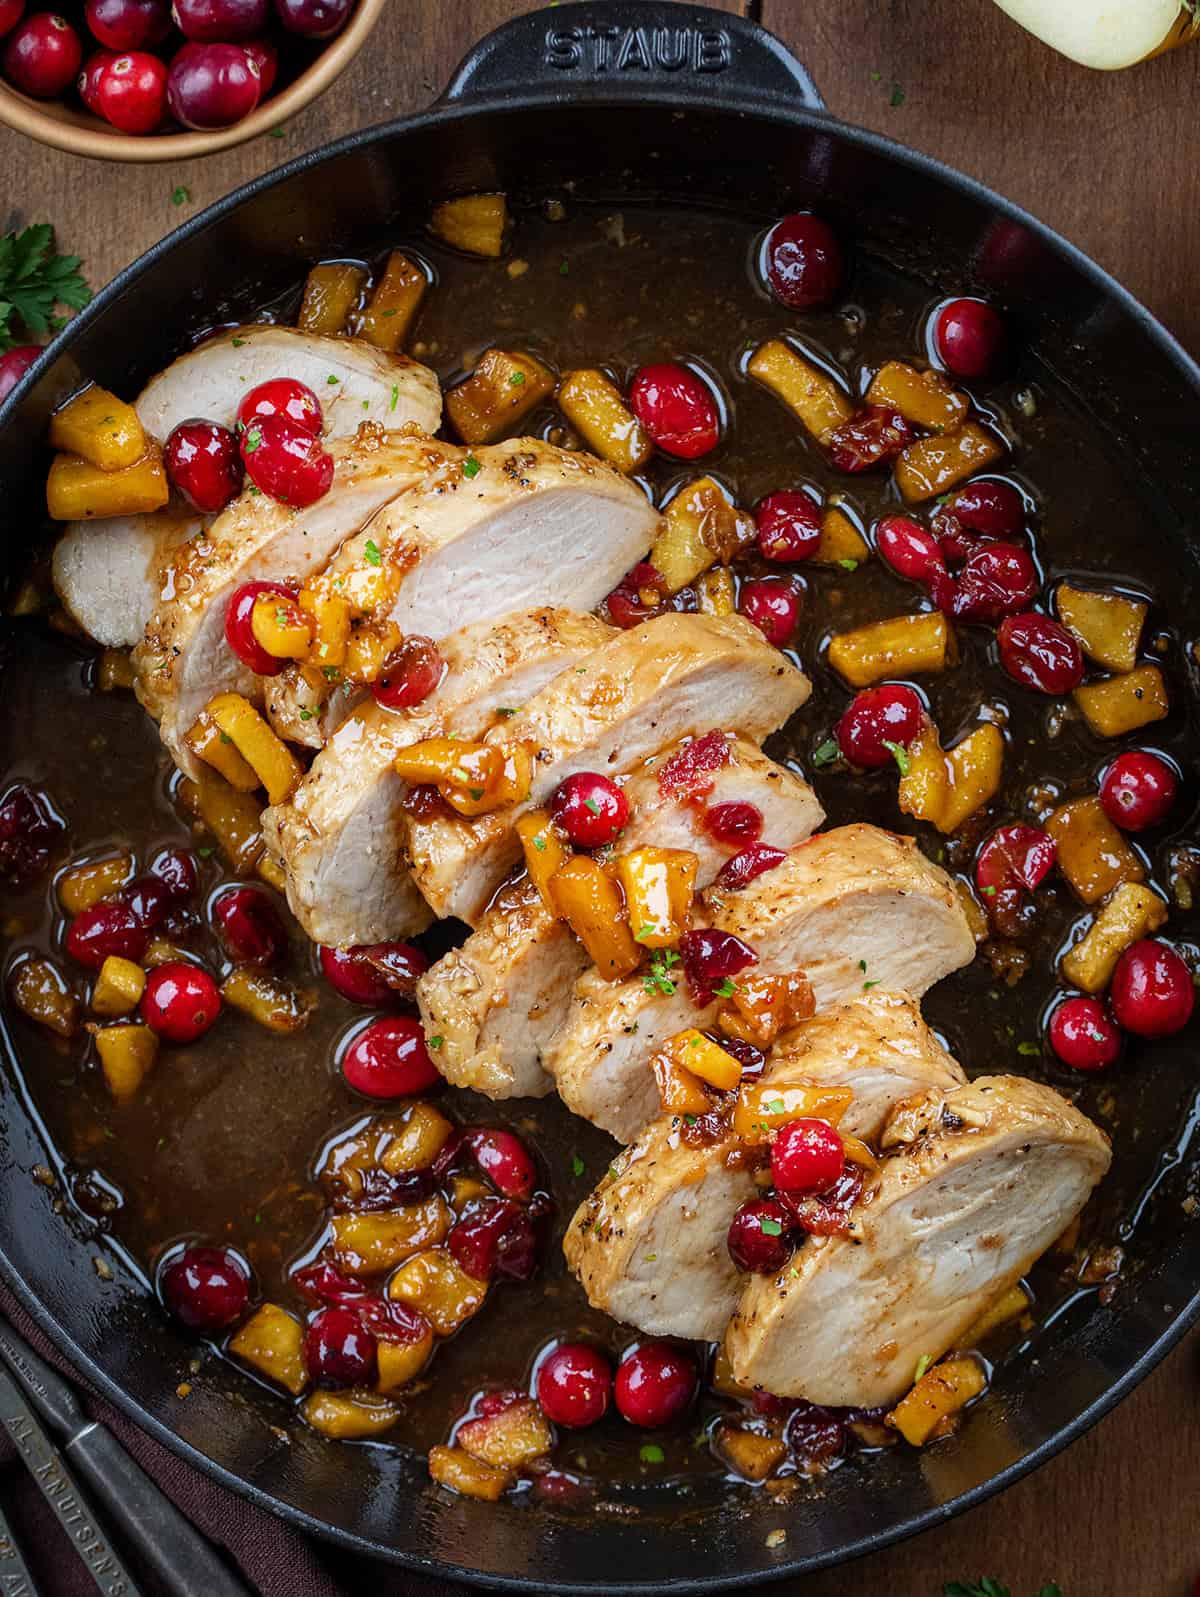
(150, 1522)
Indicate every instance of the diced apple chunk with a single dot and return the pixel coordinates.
(925, 398)
(900, 646)
(372, 1244)
(510, 1439)
(272, 1342)
(1122, 704)
(331, 292)
(401, 1362)
(594, 406)
(84, 886)
(433, 1283)
(119, 987)
(504, 387)
(268, 999)
(933, 466)
(100, 428)
(349, 1416)
(1134, 911)
(841, 542)
(700, 526)
(394, 303)
(753, 1457)
(1108, 625)
(459, 1472)
(1091, 852)
(415, 1138)
(473, 222)
(591, 904)
(78, 491)
(127, 1055)
(816, 398)
(42, 994)
(940, 1394)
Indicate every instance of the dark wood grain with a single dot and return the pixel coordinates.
(1110, 161)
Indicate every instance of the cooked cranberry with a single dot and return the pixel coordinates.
(758, 1237)
(751, 1058)
(410, 675)
(574, 1384)
(213, 86)
(374, 974)
(907, 547)
(203, 462)
(1152, 993)
(806, 1156)
(1138, 790)
(176, 869)
(654, 1384)
(42, 55)
(314, 19)
(710, 958)
(828, 1213)
(11, 12)
(677, 409)
(789, 526)
(589, 808)
(1015, 856)
(987, 506)
(128, 24)
(206, 1288)
(1083, 1035)
(28, 830)
(250, 926)
(495, 1238)
(148, 900)
(878, 722)
(380, 1190)
(734, 823)
(815, 1434)
(221, 21)
(998, 580)
(266, 57)
(104, 930)
(14, 363)
(801, 261)
(504, 1160)
(773, 605)
(1039, 654)
(493, 1403)
(638, 596)
(746, 864)
(283, 396)
(688, 773)
(338, 1348)
(389, 1059)
(239, 633)
(131, 92)
(285, 461)
(393, 1322)
(968, 337)
(181, 1002)
(321, 1283)
(872, 438)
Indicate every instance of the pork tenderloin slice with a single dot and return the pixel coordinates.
(956, 1218)
(498, 1000)
(340, 837)
(645, 689)
(853, 905)
(108, 573)
(649, 1244)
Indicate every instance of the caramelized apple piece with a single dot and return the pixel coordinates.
(509, 1440)
(763, 1107)
(1092, 854)
(753, 1457)
(941, 1393)
(1134, 911)
(700, 526)
(933, 466)
(1122, 704)
(474, 223)
(119, 987)
(40, 991)
(658, 884)
(594, 406)
(415, 1138)
(590, 902)
(349, 1416)
(84, 886)
(269, 1000)
(330, 293)
(372, 1244)
(459, 1472)
(392, 308)
(841, 542)
(692, 1051)
(820, 403)
(1107, 625)
(78, 491)
(925, 398)
(545, 852)
(401, 1362)
(127, 1055)
(272, 1342)
(271, 760)
(900, 646)
(504, 387)
(100, 428)
(433, 1283)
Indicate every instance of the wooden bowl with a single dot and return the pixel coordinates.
(73, 129)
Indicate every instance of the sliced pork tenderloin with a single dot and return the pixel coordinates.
(108, 574)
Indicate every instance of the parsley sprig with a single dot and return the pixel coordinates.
(657, 979)
(34, 281)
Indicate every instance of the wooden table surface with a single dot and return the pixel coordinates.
(1110, 161)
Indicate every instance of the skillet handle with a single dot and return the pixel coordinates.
(602, 49)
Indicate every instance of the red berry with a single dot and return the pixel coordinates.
(1152, 993)
(338, 1348)
(42, 55)
(220, 21)
(176, 869)
(1014, 857)
(250, 926)
(801, 261)
(872, 438)
(710, 957)
(128, 24)
(374, 974)
(968, 337)
(148, 900)
(283, 396)
(773, 606)
(494, 1238)
(212, 86)
(410, 675)
(265, 56)
(206, 1288)
(590, 809)
(789, 526)
(573, 1385)
(758, 1239)
(638, 595)
(504, 1160)
(1138, 790)
(689, 772)
(389, 1059)
(877, 722)
(88, 81)
(14, 363)
(181, 1002)
(1083, 1036)
(806, 1156)
(286, 462)
(909, 549)
(815, 1435)
(677, 409)
(314, 19)
(203, 463)
(654, 1384)
(998, 579)
(11, 12)
(734, 823)
(28, 829)
(746, 864)
(239, 634)
(106, 930)
(987, 506)
(1039, 654)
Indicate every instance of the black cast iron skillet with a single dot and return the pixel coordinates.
(626, 101)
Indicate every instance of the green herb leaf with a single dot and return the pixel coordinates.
(590, 804)
(563, 268)
(516, 379)
(725, 988)
(34, 280)
(769, 1227)
(540, 844)
(867, 985)
(252, 441)
(181, 195)
(652, 1453)
(371, 553)
(923, 1364)
(471, 467)
(825, 754)
(577, 1165)
(306, 715)
(900, 754)
(897, 95)
(275, 133)
(775, 1107)
(1030, 1050)
(848, 565)
(331, 380)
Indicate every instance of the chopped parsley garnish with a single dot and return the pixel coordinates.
(769, 1227)
(657, 979)
(725, 988)
(826, 753)
(436, 1042)
(471, 467)
(563, 268)
(371, 553)
(848, 565)
(539, 843)
(899, 753)
(1029, 1049)
(652, 1453)
(989, 890)
(590, 804)
(897, 95)
(775, 1107)
(577, 1165)
(181, 195)
(252, 441)
(506, 711)
(395, 396)
(862, 965)
(516, 379)
(867, 985)
(306, 715)
(923, 1364)
(331, 379)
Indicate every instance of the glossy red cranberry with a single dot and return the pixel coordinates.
(265, 56)
(106, 930)
(181, 1002)
(998, 579)
(968, 337)
(504, 1160)
(789, 526)
(1015, 856)
(711, 958)
(638, 596)
(751, 1058)
(815, 1435)
(758, 1239)
(148, 900)
(42, 55)
(589, 808)
(321, 1283)
(828, 1213)
(734, 823)
(677, 409)
(131, 93)
(689, 772)
(1138, 790)
(14, 363)
(410, 675)
(1040, 654)
(806, 1156)
(11, 12)
(285, 397)
(773, 605)
(801, 261)
(389, 1059)
(910, 549)
(176, 869)
(574, 1384)
(29, 828)
(374, 975)
(988, 506)
(239, 634)
(128, 24)
(654, 1384)
(250, 926)
(220, 21)
(878, 722)
(746, 864)
(285, 461)
(872, 438)
(495, 1238)
(204, 464)
(338, 1348)
(1083, 1035)
(314, 19)
(212, 86)
(206, 1288)
(1152, 993)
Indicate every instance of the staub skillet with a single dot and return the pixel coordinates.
(636, 101)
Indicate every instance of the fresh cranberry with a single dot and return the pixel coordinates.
(710, 958)
(814, 1434)
(734, 823)
(338, 1348)
(148, 900)
(321, 1283)
(239, 633)
(872, 438)
(677, 409)
(495, 1238)
(88, 82)
(389, 1059)
(654, 1384)
(181, 1002)
(131, 93)
(1138, 790)
(1039, 654)
(789, 526)
(806, 1156)
(374, 974)
(14, 363)
(589, 808)
(106, 930)
(1083, 1036)
(987, 506)
(220, 21)
(638, 596)
(1152, 993)
(28, 830)
(285, 461)
(128, 24)
(504, 1160)
(801, 261)
(283, 396)
(908, 548)
(1015, 856)
(213, 86)
(206, 1288)
(968, 337)
(689, 772)
(204, 464)
(828, 1213)
(746, 864)
(314, 19)
(758, 1237)
(574, 1384)
(250, 926)
(998, 579)
(410, 675)
(176, 869)
(266, 57)
(42, 55)
(773, 605)
(878, 722)
(11, 12)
